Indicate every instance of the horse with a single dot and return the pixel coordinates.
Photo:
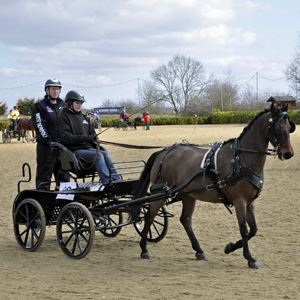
(25, 125)
(231, 173)
(139, 121)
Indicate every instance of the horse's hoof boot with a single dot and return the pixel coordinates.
(145, 255)
(201, 256)
(254, 265)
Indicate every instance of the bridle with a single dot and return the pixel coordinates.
(276, 128)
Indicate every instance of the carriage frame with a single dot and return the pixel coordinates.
(80, 211)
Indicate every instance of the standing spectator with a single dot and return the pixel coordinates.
(14, 117)
(146, 118)
(45, 120)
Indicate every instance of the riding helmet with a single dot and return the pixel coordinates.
(52, 82)
(74, 96)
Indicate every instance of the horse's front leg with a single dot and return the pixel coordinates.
(244, 214)
(188, 207)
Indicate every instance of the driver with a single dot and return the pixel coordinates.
(78, 135)
(44, 118)
(14, 117)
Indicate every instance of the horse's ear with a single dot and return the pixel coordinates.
(285, 108)
(274, 109)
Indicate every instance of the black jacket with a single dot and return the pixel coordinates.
(45, 119)
(73, 127)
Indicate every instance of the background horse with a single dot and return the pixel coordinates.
(236, 177)
(25, 125)
(139, 121)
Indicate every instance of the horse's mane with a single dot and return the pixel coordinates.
(248, 126)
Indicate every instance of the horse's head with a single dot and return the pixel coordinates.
(280, 127)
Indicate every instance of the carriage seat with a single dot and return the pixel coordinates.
(70, 163)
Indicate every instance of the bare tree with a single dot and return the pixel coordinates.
(183, 79)
(151, 98)
(292, 73)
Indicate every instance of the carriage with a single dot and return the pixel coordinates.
(10, 133)
(230, 173)
(124, 125)
(81, 207)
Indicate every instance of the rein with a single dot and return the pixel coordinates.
(271, 152)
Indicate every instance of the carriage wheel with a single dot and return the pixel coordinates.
(111, 223)
(158, 229)
(8, 137)
(117, 127)
(125, 127)
(29, 225)
(75, 230)
(4, 137)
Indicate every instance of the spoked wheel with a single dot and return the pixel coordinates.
(75, 230)
(117, 127)
(4, 137)
(8, 137)
(110, 224)
(125, 127)
(29, 225)
(158, 229)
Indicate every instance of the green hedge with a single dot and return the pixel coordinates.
(4, 125)
(217, 117)
(240, 117)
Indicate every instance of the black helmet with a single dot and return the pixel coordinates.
(74, 96)
(52, 82)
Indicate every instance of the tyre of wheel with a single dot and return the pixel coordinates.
(29, 224)
(110, 228)
(158, 229)
(75, 230)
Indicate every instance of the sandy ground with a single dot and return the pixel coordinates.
(113, 268)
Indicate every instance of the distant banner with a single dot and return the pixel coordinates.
(108, 110)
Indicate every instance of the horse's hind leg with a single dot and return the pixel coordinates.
(245, 214)
(149, 218)
(186, 220)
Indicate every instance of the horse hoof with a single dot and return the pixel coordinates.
(145, 255)
(227, 249)
(201, 256)
(254, 265)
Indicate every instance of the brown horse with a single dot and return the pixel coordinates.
(25, 125)
(231, 173)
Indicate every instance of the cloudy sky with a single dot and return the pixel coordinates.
(102, 47)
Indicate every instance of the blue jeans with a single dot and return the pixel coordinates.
(147, 126)
(103, 164)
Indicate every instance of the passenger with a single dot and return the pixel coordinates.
(14, 116)
(78, 135)
(45, 118)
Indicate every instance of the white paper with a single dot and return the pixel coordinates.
(67, 186)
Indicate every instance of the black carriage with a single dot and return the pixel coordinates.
(124, 126)
(11, 133)
(84, 207)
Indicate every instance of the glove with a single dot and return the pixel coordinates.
(91, 138)
(49, 143)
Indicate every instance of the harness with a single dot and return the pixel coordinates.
(209, 168)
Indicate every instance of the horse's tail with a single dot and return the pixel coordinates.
(140, 189)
